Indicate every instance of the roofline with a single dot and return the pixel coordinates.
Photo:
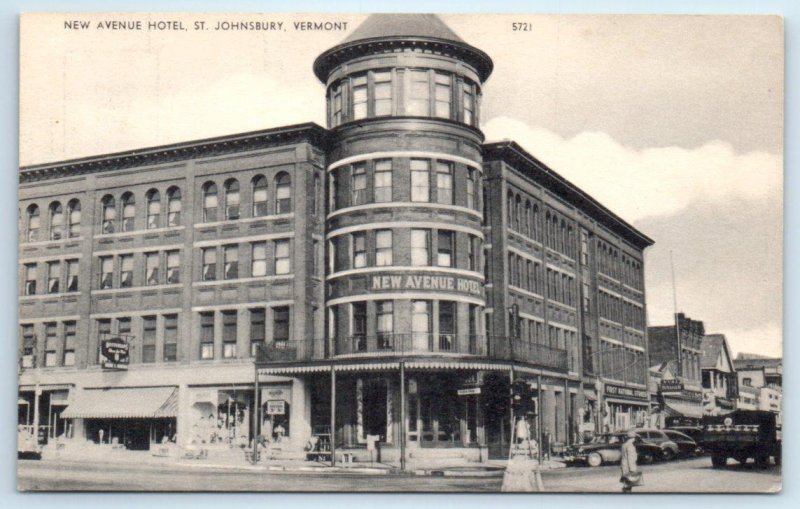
(323, 63)
(612, 220)
(251, 140)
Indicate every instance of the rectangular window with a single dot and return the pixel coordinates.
(385, 323)
(468, 94)
(443, 95)
(472, 252)
(447, 325)
(471, 201)
(280, 324)
(53, 276)
(173, 267)
(231, 258)
(445, 254)
(383, 181)
(68, 358)
(148, 339)
(72, 275)
(151, 262)
(336, 105)
(419, 93)
(359, 241)
(420, 180)
(358, 326)
(50, 344)
(382, 87)
(444, 182)
(106, 272)
(258, 332)
(420, 324)
(420, 247)
(31, 273)
(170, 338)
(103, 332)
(229, 331)
(207, 335)
(282, 261)
(28, 346)
(359, 84)
(259, 264)
(316, 260)
(383, 248)
(358, 184)
(209, 264)
(126, 271)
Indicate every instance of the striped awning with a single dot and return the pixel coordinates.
(127, 403)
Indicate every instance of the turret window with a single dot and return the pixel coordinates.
(418, 97)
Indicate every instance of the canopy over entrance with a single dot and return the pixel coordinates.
(128, 403)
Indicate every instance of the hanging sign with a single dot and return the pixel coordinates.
(276, 407)
(114, 354)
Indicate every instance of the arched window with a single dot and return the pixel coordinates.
(74, 218)
(33, 223)
(510, 209)
(153, 209)
(210, 202)
(517, 212)
(128, 212)
(283, 193)
(173, 206)
(56, 221)
(260, 196)
(109, 213)
(231, 199)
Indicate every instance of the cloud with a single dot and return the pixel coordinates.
(637, 184)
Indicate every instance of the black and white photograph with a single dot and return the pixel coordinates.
(321, 252)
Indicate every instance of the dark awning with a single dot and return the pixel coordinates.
(682, 409)
(129, 403)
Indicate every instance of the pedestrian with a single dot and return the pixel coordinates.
(630, 472)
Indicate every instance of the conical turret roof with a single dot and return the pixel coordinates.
(398, 25)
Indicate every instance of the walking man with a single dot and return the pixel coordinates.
(630, 472)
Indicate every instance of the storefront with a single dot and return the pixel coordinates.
(624, 407)
(43, 408)
(220, 418)
(679, 404)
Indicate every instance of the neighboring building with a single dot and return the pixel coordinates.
(394, 254)
(748, 398)
(772, 367)
(762, 376)
(720, 385)
(679, 346)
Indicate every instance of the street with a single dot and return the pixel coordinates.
(693, 475)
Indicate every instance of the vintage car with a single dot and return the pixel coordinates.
(669, 449)
(686, 445)
(604, 449)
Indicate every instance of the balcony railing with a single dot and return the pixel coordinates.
(494, 348)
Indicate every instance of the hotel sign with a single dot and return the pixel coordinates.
(425, 282)
(114, 354)
(625, 392)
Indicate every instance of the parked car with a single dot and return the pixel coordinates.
(693, 432)
(605, 448)
(669, 449)
(686, 445)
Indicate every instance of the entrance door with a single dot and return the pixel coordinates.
(375, 408)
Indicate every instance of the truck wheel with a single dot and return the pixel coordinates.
(594, 460)
(741, 459)
(718, 460)
(762, 461)
(778, 458)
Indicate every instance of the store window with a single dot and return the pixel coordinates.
(280, 325)
(447, 325)
(50, 344)
(420, 180)
(232, 199)
(34, 223)
(282, 261)
(283, 193)
(383, 248)
(231, 260)
(210, 202)
(258, 330)
(260, 196)
(173, 267)
(56, 221)
(259, 260)
(358, 326)
(28, 346)
(153, 199)
(170, 338)
(420, 247)
(359, 243)
(207, 335)
(385, 324)
(106, 272)
(209, 255)
(383, 181)
(445, 254)
(128, 212)
(72, 275)
(109, 214)
(151, 262)
(229, 331)
(173, 206)
(149, 339)
(53, 276)
(420, 324)
(358, 184)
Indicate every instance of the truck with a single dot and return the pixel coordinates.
(742, 435)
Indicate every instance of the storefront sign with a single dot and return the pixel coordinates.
(205, 396)
(671, 386)
(625, 392)
(694, 396)
(416, 282)
(114, 354)
(469, 391)
(283, 393)
(276, 407)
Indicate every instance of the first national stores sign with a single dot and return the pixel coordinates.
(425, 282)
(114, 354)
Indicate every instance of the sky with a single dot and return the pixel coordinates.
(674, 123)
